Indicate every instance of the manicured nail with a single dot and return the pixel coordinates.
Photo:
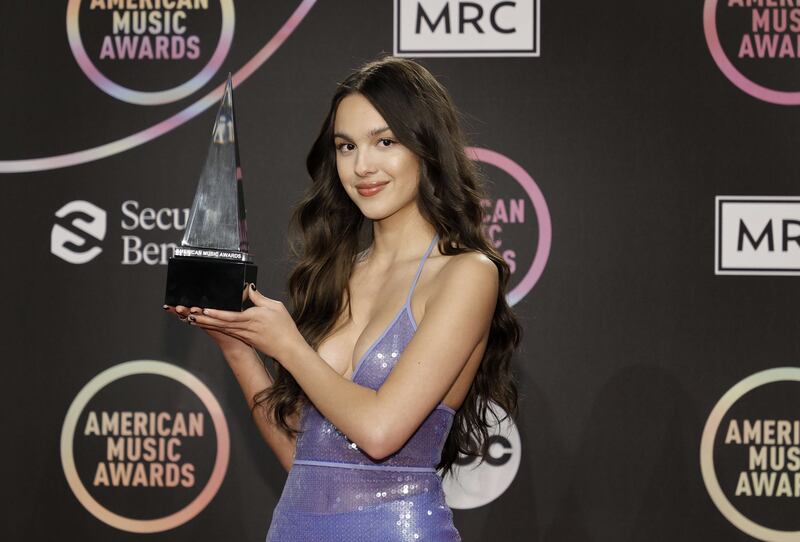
(165, 307)
(205, 311)
(192, 318)
(252, 286)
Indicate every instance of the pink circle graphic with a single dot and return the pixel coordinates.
(542, 216)
(736, 77)
(149, 98)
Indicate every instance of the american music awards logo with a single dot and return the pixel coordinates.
(145, 462)
(124, 46)
(756, 45)
(516, 219)
(750, 454)
(156, 52)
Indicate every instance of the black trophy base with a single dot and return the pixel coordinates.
(208, 283)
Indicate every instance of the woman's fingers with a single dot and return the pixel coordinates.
(225, 316)
(227, 322)
(205, 320)
(257, 298)
(182, 312)
(236, 334)
(210, 328)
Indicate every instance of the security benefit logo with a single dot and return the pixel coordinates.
(757, 235)
(145, 446)
(756, 44)
(516, 219)
(150, 52)
(461, 28)
(77, 232)
(147, 237)
(475, 483)
(750, 455)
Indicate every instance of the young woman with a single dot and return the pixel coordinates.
(391, 356)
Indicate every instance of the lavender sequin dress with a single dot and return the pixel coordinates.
(336, 492)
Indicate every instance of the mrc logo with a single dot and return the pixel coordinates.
(757, 235)
(471, 29)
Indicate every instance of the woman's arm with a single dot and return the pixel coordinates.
(252, 377)
(457, 316)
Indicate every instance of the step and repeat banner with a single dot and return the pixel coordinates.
(644, 189)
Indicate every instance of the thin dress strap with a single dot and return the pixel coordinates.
(419, 269)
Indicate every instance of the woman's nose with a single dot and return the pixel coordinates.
(364, 164)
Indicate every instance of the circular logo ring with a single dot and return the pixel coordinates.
(149, 98)
(734, 75)
(536, 197)
(220, 428)
(738, 519)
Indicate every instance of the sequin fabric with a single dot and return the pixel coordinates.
(335, 491)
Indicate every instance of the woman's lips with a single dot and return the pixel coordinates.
(369, 191)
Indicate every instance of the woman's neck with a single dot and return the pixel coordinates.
(396, 240)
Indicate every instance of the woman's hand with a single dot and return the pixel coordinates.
(230, 346)
(268, 326)
(252, 376)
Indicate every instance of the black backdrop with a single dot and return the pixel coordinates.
(628, 127)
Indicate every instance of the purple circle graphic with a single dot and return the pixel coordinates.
(542, 216)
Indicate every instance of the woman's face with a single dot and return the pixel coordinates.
(378, 172)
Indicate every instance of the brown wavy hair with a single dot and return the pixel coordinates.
(332, 232)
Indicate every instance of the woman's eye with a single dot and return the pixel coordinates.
(384, 142)
(344, 147)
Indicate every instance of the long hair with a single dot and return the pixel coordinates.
(422, 116)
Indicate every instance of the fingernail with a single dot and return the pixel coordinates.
(252, 286)
(195, 311)
(165, 307)
(192, 318)
(205, 311)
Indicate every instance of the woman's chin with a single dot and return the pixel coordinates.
(372, 210)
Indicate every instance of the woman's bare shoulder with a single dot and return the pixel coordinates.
(468, 268)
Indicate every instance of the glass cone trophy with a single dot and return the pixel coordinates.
(212, 267)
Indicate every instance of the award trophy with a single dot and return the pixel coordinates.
(212, 267)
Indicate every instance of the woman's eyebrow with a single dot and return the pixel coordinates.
(371, 133)
(376, 131)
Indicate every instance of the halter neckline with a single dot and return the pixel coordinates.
(405, 308)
